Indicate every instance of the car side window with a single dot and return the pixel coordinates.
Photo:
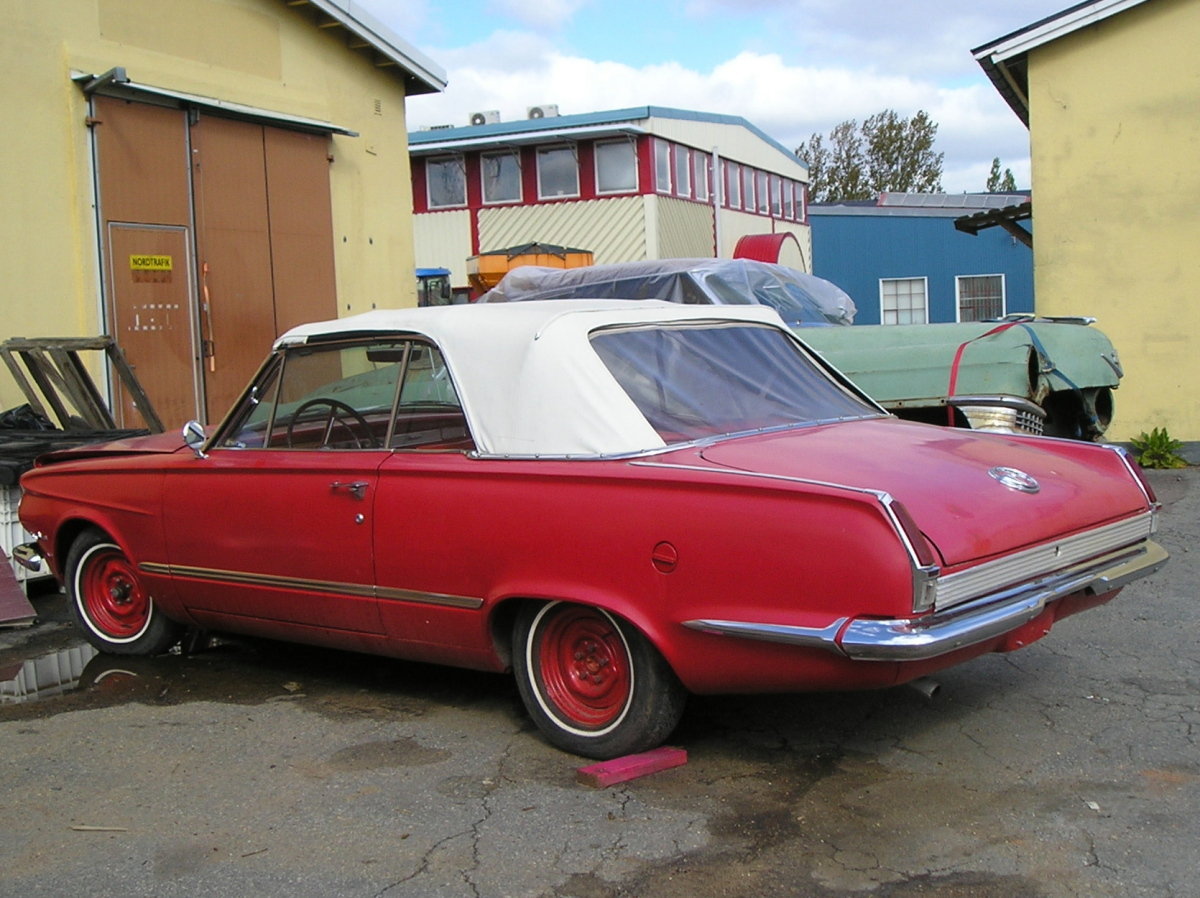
(323, 397)
(428, 414)
(367, 395)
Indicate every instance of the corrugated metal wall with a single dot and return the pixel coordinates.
(856, 251)
(613, 229)
(685, 230)
(443, 240)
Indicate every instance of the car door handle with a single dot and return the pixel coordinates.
(356, 488)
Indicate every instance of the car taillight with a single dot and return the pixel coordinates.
(1138, 474)
(921, 549)
(1141, 478)
(925, 569)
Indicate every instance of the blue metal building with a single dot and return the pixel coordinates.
(902, 260)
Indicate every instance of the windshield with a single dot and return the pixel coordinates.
(698, 380)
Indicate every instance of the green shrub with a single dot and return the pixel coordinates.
(1157, 449)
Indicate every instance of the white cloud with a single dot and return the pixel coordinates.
(513, 70)
(539, 15)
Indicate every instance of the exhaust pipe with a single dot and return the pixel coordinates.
(927, 687)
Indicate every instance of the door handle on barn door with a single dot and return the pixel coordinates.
(356, 488)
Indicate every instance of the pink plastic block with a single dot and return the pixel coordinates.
(618, 770)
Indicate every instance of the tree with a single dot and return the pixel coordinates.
(1000, 184)
(888, 153)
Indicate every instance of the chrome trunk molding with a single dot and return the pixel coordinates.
(963, 586)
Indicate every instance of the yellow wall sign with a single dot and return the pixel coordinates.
(149, 263)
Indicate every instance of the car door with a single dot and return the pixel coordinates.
(271, 531)
(430, 593)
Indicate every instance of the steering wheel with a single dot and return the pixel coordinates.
(339, 413)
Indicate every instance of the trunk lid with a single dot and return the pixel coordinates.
(941, 475)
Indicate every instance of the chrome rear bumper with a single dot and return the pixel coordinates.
(29, 556)
(987, 617)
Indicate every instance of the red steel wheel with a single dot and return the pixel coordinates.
(109, 601)
(592, 683)
(110, 594)
(582, 662)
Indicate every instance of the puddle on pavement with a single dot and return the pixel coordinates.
(70, 675)
(46, 676)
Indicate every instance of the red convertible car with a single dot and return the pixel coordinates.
(622, 503)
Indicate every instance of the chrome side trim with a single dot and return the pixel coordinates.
(916, 639)
(304, 585)
(809, 637)
(428, 598)
(760, 475)
(955, 589)
(252, 579)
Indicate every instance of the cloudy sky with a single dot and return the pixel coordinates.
(792, 67)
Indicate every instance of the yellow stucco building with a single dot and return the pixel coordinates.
(1110, 91)
(192, 178)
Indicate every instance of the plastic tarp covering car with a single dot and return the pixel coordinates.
(802, 300)
(1018, 375)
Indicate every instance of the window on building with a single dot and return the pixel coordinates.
(662, 166)
(789, 204)
(558, 173)
(747, 188)
(501, 178)
(980, 297)
(683, 171)
(616, 167)
(776, 196)
(762, 197)
(700, 174)
(733, 185)
(446, 182)
(902, 301)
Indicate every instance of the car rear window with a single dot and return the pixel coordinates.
(698, 380)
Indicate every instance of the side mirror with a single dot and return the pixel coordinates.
(193, 435)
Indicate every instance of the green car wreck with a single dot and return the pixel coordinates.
(1017, 375)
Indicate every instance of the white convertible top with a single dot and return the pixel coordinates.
(526, 374)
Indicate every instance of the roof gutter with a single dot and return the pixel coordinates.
(368, 32)
(1005, 60)
(416, 148)
(116, 83)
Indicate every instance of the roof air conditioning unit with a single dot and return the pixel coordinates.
(487, 117)
(546, 110)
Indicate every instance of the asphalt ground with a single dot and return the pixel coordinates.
(1069, 768)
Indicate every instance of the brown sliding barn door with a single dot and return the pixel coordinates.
(264, 242)
(147, 249)
(217, 236)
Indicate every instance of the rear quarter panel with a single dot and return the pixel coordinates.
(585, 531)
